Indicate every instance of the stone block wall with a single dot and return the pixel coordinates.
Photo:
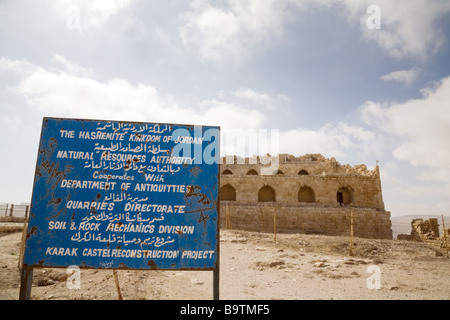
(309, 194)
(367, 222)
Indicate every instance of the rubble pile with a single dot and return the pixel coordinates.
(422, 231)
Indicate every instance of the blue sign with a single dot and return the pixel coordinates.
(124, 195)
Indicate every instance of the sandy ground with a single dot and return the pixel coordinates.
(252, 266)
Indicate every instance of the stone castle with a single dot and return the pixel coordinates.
(308, 194)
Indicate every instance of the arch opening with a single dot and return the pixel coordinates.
(227, 193)
(303, 172)
(306, 194)
(344, 196)
(266, 194)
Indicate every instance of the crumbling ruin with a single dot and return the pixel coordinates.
(308, 194)
(422, 231)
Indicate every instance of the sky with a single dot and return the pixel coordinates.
(361, 81)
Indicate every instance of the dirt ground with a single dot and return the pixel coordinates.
(253, 266)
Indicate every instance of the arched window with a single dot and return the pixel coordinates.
(227, 193)
(266, 194)
(303, 172)
(306, 194)
(252, 172)
(279, 172)
(227, 171)
(344, 195)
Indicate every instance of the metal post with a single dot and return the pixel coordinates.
(216, 271)
(275, 226)
(25, 283)
(227, 218)
(116, 280)
(22, 244)
(216, 286)
(351, 233)
(445, 236)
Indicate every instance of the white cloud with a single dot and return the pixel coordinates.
(341, 140)
(408, 28)
(18, 66)
(405, 76)
(417, 134)
(229, 115)
(88, 14)
(421, 127)
(235, 28)
(73, 68)
(256, 99)
(70, 92)
(231, 29)
(251, 95)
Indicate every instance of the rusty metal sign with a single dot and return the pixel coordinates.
(124, 195)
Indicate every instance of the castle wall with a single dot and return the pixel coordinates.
(307, 202)
(367, 222)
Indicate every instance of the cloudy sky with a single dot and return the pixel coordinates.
(360, 81)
